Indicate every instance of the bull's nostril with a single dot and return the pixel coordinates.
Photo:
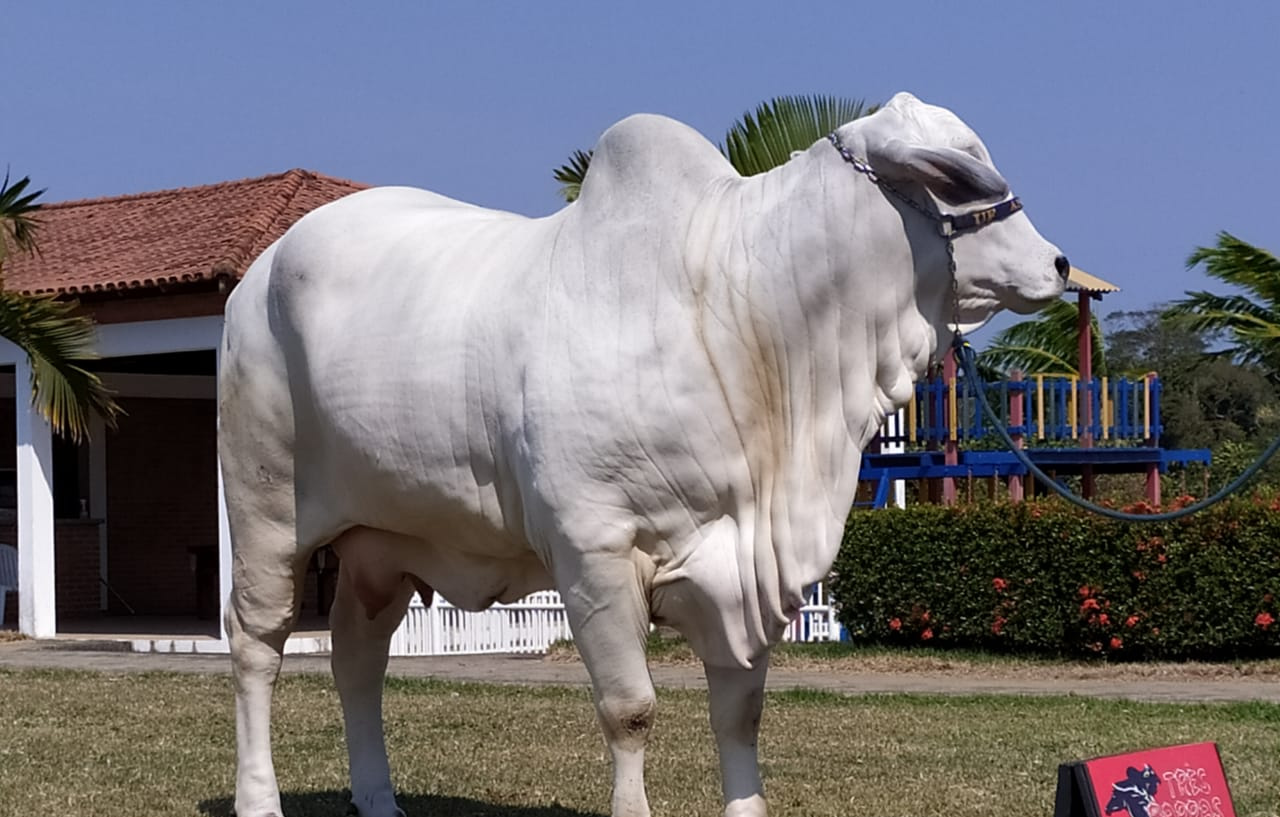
(1063, 266)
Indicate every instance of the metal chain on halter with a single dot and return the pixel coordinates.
(866, 169)
(955, 290)
(944, 224)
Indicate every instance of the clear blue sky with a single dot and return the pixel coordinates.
(1133, 131)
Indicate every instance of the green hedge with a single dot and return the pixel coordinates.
(1045, 577)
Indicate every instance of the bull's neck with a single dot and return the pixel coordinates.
(809, 310)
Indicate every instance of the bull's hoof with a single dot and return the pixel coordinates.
(746, 807)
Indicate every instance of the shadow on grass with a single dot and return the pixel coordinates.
(337, 804)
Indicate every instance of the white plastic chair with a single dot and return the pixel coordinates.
(8, 574)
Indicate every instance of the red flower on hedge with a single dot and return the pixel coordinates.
(1264, 620)
(1103, 619)
(895, 624)
(1089, 604)
(997, 626)
(1000, 585)
(1131, 622)
(1116, 643)
(926, 635)
(1085, 592)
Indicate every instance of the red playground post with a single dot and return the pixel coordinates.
(951, 452)
(1153, 470)
(1017, 401)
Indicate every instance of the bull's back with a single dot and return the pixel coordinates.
(392, 313)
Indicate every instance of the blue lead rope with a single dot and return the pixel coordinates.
(969, 363)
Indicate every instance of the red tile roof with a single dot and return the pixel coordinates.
(166, 238)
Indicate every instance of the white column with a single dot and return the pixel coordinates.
(37, 603)
(224, 528)
(98, 497)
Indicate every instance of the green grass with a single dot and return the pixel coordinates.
(159, 744)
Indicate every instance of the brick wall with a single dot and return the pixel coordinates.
(161, 503)
(75, 564)
(161, 516)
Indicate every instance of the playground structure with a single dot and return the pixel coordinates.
(1068, 425)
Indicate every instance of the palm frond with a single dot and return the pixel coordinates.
(765, 140)
(572, 174)
(1250, 322)
(1241, 264)
(58, 342)
(17, 220)
(1238, 314)
(1047, 344)
(1028, 360)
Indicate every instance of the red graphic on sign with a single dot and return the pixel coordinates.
(1176, 781)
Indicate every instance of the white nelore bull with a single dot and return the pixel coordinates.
(653, 401)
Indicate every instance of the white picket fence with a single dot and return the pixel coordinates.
(817, 619)
(527, 626)
(532, 624)
(895, 428)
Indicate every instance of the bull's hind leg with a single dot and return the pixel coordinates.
(609, 615)
(266, 588)
(256, 452)
(368, 606)
(737, 701)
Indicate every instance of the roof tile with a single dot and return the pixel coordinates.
(167, 237)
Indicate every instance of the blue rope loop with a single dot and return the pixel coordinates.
(968, 360)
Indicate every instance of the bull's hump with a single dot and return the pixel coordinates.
(650, 158)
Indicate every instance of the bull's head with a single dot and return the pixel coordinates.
(935, 160)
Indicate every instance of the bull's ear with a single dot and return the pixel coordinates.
(950, 174)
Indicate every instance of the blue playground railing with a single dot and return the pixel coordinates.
(948, 410)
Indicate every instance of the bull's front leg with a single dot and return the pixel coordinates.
(609, 614)
(737, 701)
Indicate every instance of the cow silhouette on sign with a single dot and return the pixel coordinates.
(1136, 793)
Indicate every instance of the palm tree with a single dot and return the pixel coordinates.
(1047, 344)
(55, 339)
(758, 142)
(1249, 323)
